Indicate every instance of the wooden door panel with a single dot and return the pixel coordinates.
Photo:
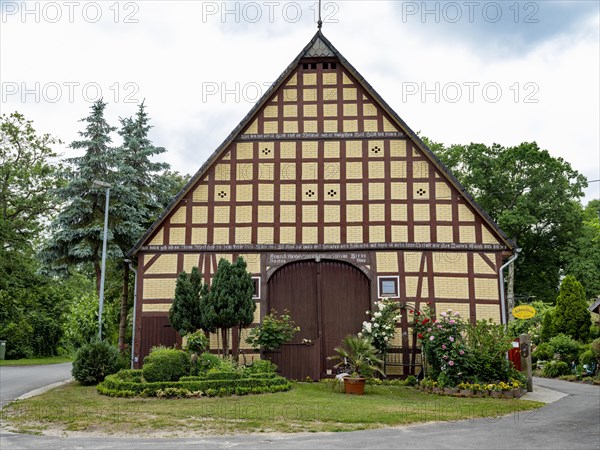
(156, 331)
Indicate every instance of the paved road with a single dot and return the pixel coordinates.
(18, 380)
(572, 422)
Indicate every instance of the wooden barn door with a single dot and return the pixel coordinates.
(328, 301)
(156, 331)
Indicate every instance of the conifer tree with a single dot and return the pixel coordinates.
(230, 302)
(185, 314)
(571, 315)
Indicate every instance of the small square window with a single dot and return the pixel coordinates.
(256, 281)
(388, 287)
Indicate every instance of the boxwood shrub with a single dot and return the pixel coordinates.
(94, 361)
(166, 364)
(121, 385)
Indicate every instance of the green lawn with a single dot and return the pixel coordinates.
(35, 361)
(308, 407)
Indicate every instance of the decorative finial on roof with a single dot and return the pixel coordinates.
(320, 22)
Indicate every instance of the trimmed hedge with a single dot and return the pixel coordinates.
(166, 364)
(116, 386)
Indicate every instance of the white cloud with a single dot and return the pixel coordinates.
(174, 53)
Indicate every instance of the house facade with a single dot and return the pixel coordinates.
(334, 202)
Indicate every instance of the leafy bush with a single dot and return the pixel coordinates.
(273, 331)
(487, 344)
(586, 357)
(261, 366)
(197, 342)
(543, 352)
(571, 315)
(595, 348)
(565, 347)
(207, 361)
(165, 364)
(554, 369)
(411, 380)
(94, 361)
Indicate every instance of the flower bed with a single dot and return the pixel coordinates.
(514, 389)
(129, 383)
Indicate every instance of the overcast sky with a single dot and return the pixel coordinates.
(457, 72)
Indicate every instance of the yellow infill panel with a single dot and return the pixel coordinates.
(486, 288)
(480, 266)
(354, 191)
(287, 235)
(253, 128)
(310, 149)
(293, 81)
(310, 171)
(332, 150)
(179, 216)
(399, 233)
(330, 78)
(467, 234)
(442, 191)
(487, 237)
(350, 126)
(330, 110)
(310, 126)
(243, 235)
(199, 236)
(369, 109)
(201, 193)
(449, 262)
(158, 238)
(486, 312)
(398, 148)
(290, 95)
(165, 264)
(444, 234)
(465, 214)
(370, 126)
(310, 110)
(310, 193)
(354, 149)
(422, 233)
(266, 171)
(377, 233)
(189, 262)
(265, 235)
(332, 235)
(177, 236)
(329, 94)
(387, 262)
(222, 172)
(221, 214)
(376, 212)
(252, 262)
(398, 169)
(287, 171)
(156, 307)
(421, 191)
(309, 235)
(157, 288)
(221, 236)
(244, 171)
(451, 287)
(309, 79)
(388, 126)
(398, 191)
(421, 212)
(265, 214)
(412, 283)
(420, 169)
(376, 169)
(444, 213)
(349, 93)
(290, 126)
(350, 110)
(287, 192)
(376, 191)
(310, 95)
(309, 214)
(271, 111)
(243, 214)
(399, 212)
(222, 193)
(354, 213)
(287, 213)
(354, 170)
(330, 126)
(290, 111)
(332, 213)
(354, 235)
(265, 192)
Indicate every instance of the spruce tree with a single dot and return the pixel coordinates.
(77, 231)
(185, 314)
(571, 315)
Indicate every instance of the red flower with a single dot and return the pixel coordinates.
(420, 335)
(410, 311)
(418, 313)
(425, 321)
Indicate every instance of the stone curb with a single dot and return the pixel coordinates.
(43, 389)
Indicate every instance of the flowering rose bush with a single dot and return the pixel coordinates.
(382, 326)
(443, 345)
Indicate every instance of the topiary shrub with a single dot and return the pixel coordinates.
(595, 348)
(207, 361)
(565, 347)
(586, 357)
(556, 368)
(166, 364)
(94, 361)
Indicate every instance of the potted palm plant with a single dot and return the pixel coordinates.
(360, 358)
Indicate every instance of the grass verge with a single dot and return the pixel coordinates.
(35, 361)
(308, 407)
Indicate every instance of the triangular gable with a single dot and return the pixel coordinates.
(276, 115)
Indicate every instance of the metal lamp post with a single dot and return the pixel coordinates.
(102, 184)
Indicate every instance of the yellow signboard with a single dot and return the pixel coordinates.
(523, 312)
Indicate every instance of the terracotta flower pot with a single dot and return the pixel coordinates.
(354, 386)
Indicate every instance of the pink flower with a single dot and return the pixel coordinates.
(443, 346)
(452, 322)
(461, 352)
(451, 339)
(431, 338)
(456, 314)
(428, 330)
(450, 363)
(443, 314)
(439, 326)
(445, 356)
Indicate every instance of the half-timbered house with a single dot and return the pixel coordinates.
(334, 202)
